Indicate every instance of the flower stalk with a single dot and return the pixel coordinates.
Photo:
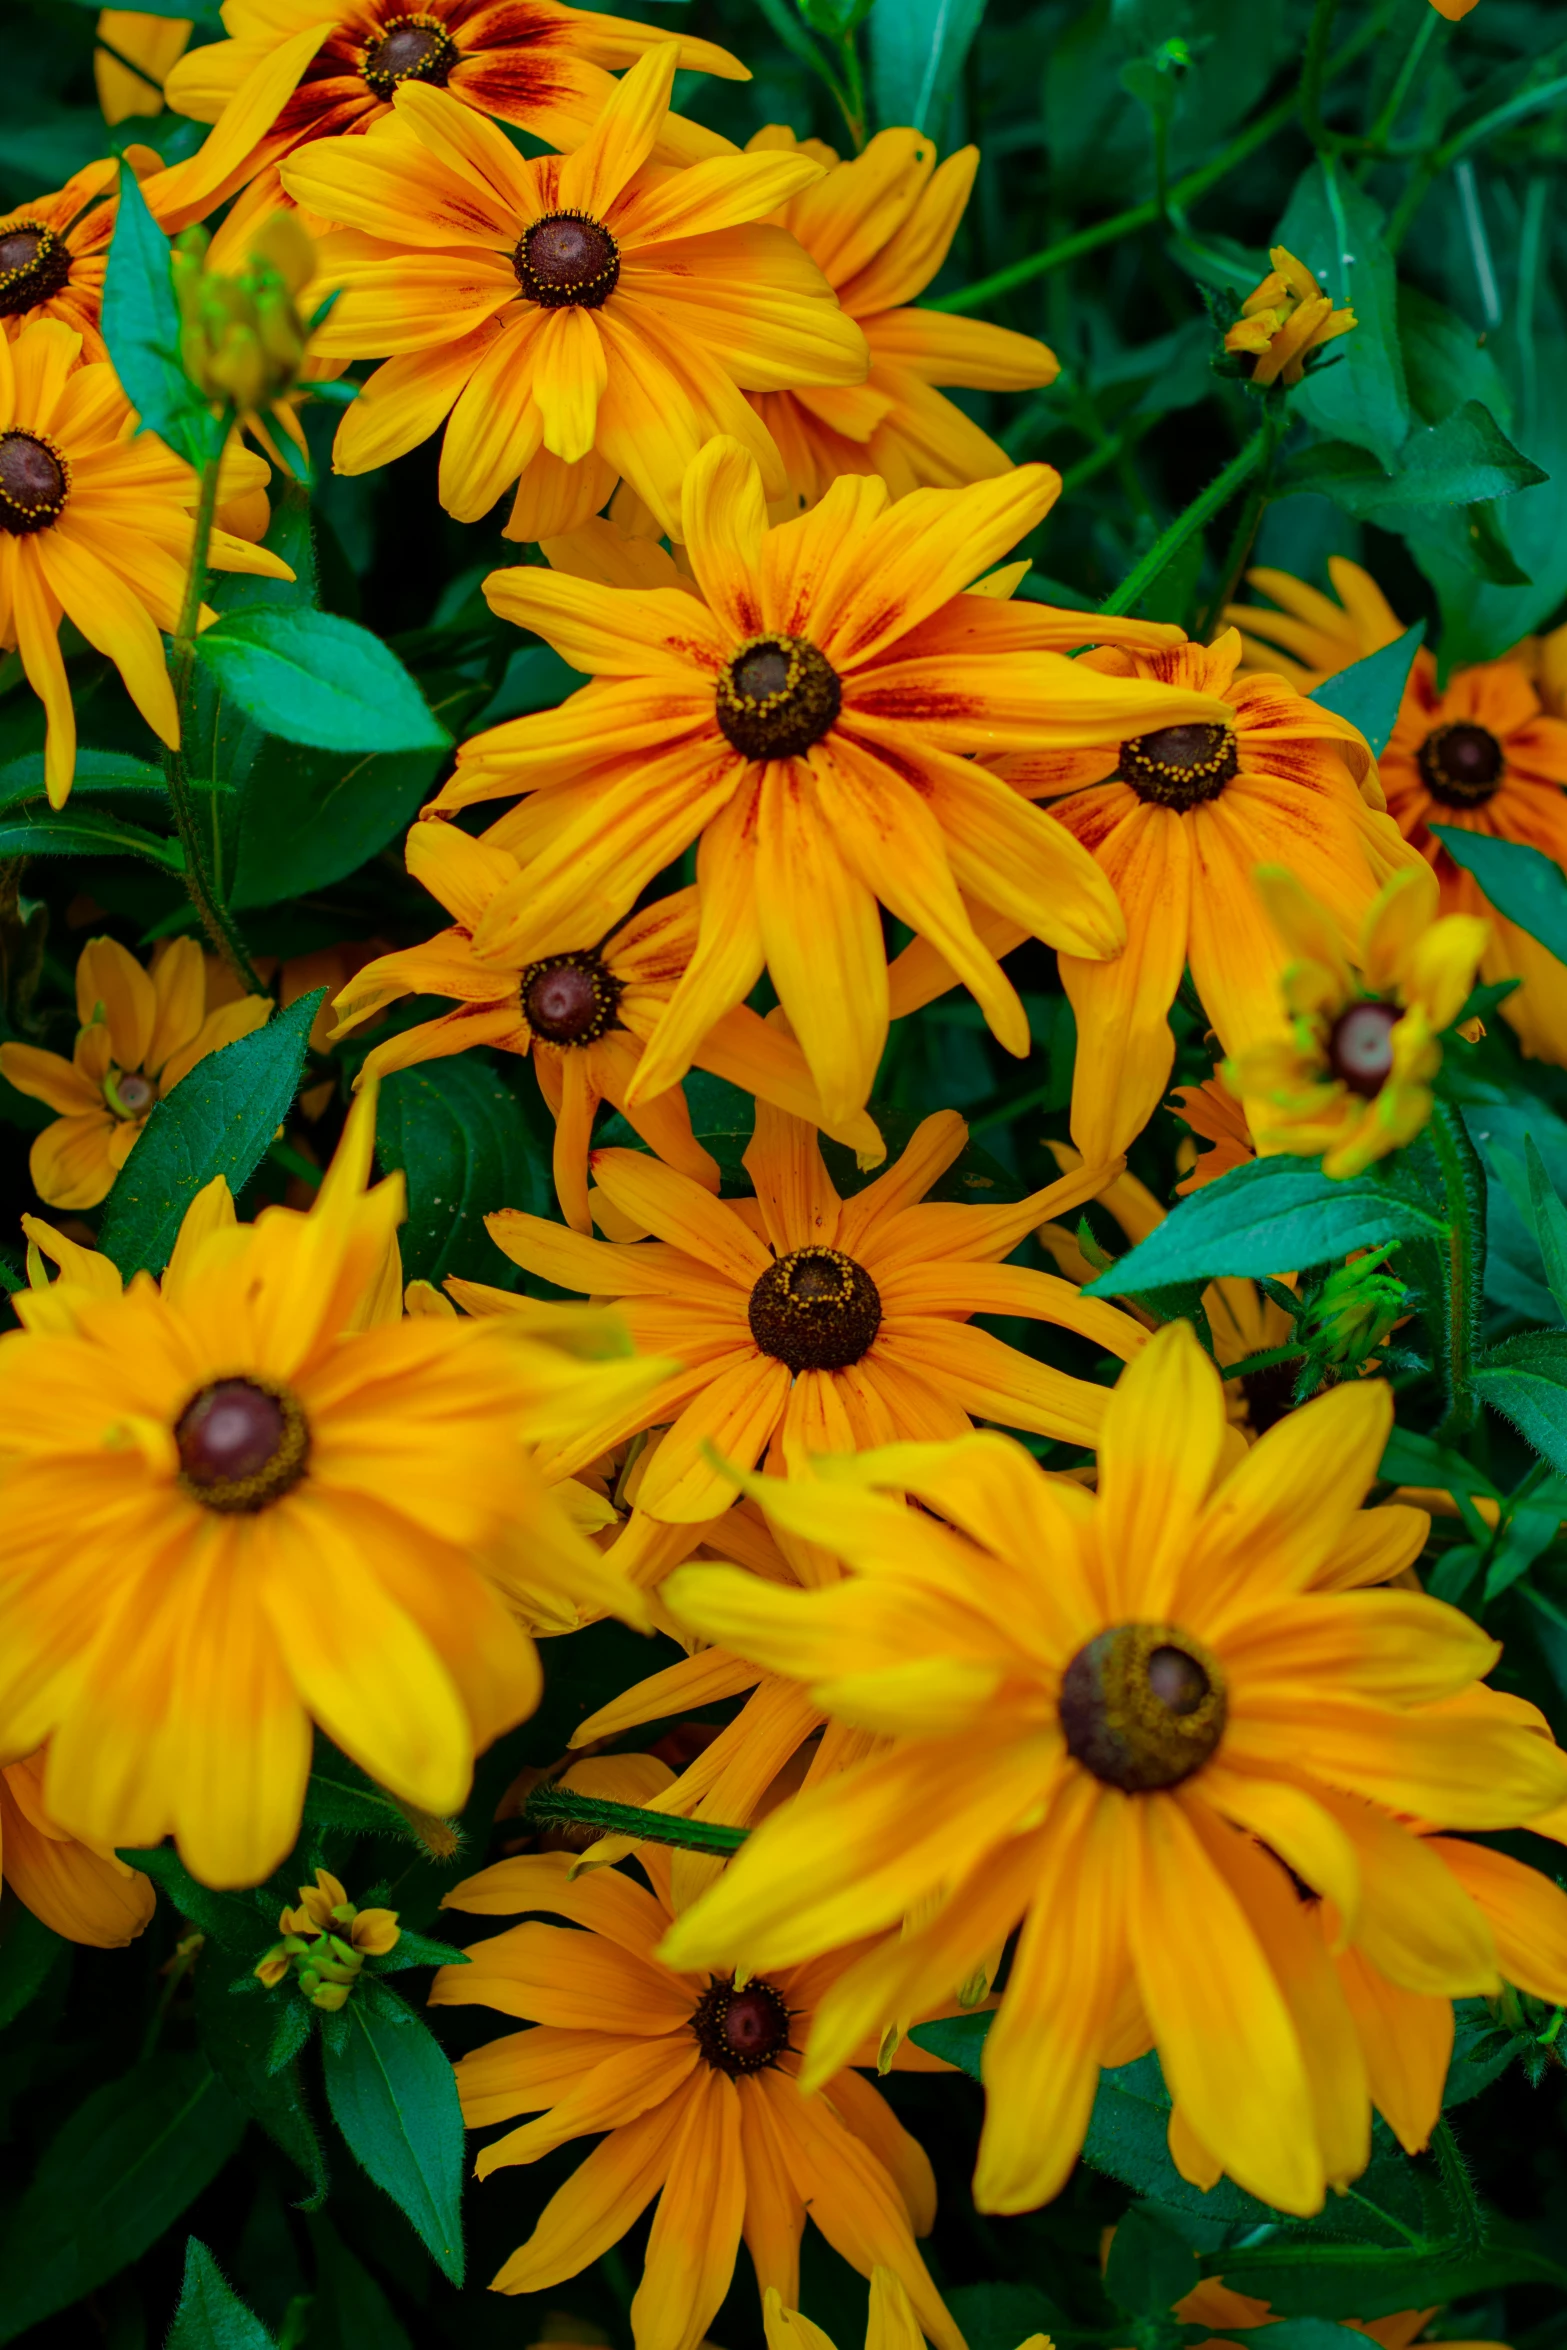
(562, 1807)
(1462, 1261)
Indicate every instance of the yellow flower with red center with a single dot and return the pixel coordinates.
(1353, 1080)
(55, 249)
(807, 721)
(81, 1890)
(244, 1502)
(129, 72)
(691, 2083)
(584, 1016)
(293, 71)
(141, 1033)
(96, 523)
(1122, 1719)
(808, 1324)
(879, 227)
(575, 319)
(1283, 320)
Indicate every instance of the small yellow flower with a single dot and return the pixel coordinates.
(141, 1032)
(1353, 1081)
(326, 1942)
(1284, 319)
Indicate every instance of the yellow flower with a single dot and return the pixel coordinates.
(326, 1942)
(808, 722)
(81, 1890)
(242, 1503)
(96, 522)
(141, 1032)
(1211, 1114)
(691, 2084)
(1124, 1719)
(1353, 1081)
(1284, 319)
(576, 318)
(1454, 10)
(1215, 2304)
(55, 249)
(809, 1324)
(1310, 637)
(892, 2324)
(130, 81)
(583, 1016)
(879, 227)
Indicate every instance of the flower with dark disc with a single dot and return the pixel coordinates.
(815, 1309)
(35, 265)
(409, 49)
(35, 481)
(1360, 1046)
(1180, 766)
(567, 261)
(569, 999)
(1142, 1706)
(740, 2031)
(1461, 764)
(242, 1444)
(777, 697)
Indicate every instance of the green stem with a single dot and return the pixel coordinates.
(1462, 1261)
(558, 1807)
(1314, 74)
(1246, 527)
(1387, 121)
(1469, 2229)
(1201, 510)
(296, 2321)
(852, 98)
(216, 919)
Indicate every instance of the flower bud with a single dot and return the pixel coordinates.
(242, 340)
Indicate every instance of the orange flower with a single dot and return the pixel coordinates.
(879, 228)
(1213, 1114)
(149, 46)
(54, 251)
(82, 1891)
(1310, 637)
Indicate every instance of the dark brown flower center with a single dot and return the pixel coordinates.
(740, 2031)
(1463, 766)
(569, 999)
(1180, 766)
(1142, 1706)
(34, 264)
(137, 1093)
(1360, 1047)
(777, 697)
(35, 481)
(815, 1309)
(410, 49)
(242, 1445)
(567, 261)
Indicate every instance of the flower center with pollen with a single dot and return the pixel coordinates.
(1180, 766)
(815, 1309)
(1462, 765)
(740, 2031)
(777, 697)
(409, 49)
(567, 261)
(1142, 1706)
(569, 999)
(1360, 1047)
(131, 1094)
(34, 264)
(242, 1444)
(35, 481)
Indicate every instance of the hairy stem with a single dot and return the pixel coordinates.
(1462, 1261)
(559, 1807)
(1201, 510)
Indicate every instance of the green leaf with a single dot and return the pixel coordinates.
(1446, 362)
(348, 2307)
(917, 53)
(338, 1794)
(84, 832)
(217, 1121)
(1476, 2060)
(237, 2037)
(1128, 2138)
(394, 2097)
(1549, 1221)
(313, 677)
(29, 1953)
(1269, 1216)
(117, 2175)
(1525, 1379)
(1369, 693)
(1000, 2316)
(956, 2039)
(1459, 462)
(1150, 2267)
(463, 1140)
(233, 1920)
(1523, 884)
(411, 1950)
(1367, 2280)
(1335, 228)
(211, 2315)
(109, 774)
(141, 325)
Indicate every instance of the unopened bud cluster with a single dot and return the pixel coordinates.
(326, 1942)
(242, 339)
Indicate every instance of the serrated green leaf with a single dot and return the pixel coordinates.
(211, 2315)
(1463, 460)
(956, 2039)
(1335, 228)
(339, 1795)
(233, 1920)
(314, 677)
(1151, 2266)
(84, 832)
(1523, 884)
(217, 1121)
(141, 326)
(393, 2095)
(1525, 1379)
(411, 1950)
(100, 774)
(1549, 1220)
(1369, 693)
(1367, 2280)
(238, 2037)
(1269, 1216)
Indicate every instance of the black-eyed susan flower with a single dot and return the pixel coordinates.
(1122, 1719)
(83, 1891)
(690, 2081)
(1305, 636)
(879, 227)
(1353, 1080)
(141, 1032)
(584, 1016)
(1283, 320)
(96, 523)
(807, 722)
(1179, 819)
(574, 320)
(54, 251)
(240, 1503)
(807, 1324)
(312, 70)
(132, 60)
